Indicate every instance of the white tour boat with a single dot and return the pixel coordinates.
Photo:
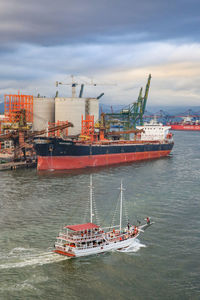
(89, 238)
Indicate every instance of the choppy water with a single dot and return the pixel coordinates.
(162, 264)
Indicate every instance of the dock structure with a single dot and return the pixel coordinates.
(17, 165)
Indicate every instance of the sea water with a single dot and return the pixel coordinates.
(163, 263)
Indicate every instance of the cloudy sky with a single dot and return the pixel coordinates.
(117, 43)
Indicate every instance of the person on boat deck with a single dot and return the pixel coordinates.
(148, 220)
(135, 230)
(128, 225)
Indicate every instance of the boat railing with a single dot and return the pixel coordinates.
(111, 236)
(118, 238)
(84, 237)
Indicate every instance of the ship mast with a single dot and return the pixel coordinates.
(91, 214)
(121, 199)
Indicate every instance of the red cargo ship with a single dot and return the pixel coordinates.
(93, 149)
(186, 125)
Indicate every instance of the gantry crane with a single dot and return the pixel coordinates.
(134, 113)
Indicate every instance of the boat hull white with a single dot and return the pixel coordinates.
(98, 249)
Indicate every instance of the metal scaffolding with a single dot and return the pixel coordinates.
(15, 103)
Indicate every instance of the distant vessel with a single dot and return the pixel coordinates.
(88, 239)
(186, 125)
(95, 149)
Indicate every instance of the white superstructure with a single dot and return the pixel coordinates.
(154, 131)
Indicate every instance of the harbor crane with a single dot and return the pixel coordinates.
(134, 113)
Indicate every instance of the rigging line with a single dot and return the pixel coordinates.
(115, 212)
(97, 218)
(125, 209)
(106, 216)
(95, 209)
(86, 213)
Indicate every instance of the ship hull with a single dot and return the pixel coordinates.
(71, 156)
(97, 250)
(185, 127)
(79, 162)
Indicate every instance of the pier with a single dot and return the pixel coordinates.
(17, 165)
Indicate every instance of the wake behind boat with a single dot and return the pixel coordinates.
(89, 238)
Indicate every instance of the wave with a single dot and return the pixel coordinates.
(18, 287)
(28, 284)
(133, 248)
(22, 257)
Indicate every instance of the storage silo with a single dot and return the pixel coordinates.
(71, 110)
(43, 112)
(92, 108)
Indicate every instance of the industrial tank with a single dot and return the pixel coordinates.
(43, 112)
(92, 108)
(71, 110)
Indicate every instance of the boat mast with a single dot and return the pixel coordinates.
(121, 198)
(91, 214)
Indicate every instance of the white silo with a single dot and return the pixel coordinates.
(71, 110)
(43, 112)
(92, 108)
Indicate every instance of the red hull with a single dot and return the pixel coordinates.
(185, 127)
(79, 162)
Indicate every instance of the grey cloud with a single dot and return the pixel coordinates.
(42, 41)
(51, 22)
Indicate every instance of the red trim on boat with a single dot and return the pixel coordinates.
(64, 253)
(79, 162)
